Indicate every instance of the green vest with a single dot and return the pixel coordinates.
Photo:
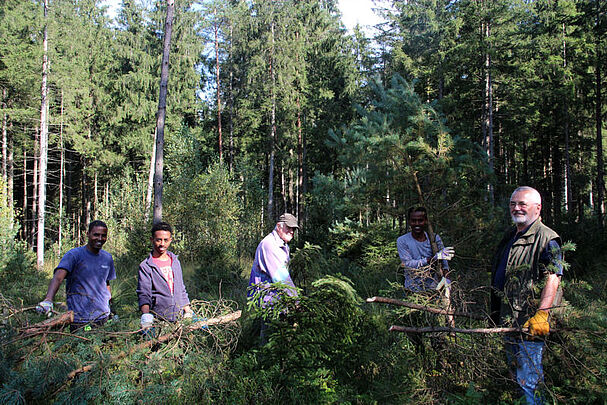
(525, 275)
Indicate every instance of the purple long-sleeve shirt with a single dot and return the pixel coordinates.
(153, 289)
(271, 264)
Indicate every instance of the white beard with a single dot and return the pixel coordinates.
(520, 219)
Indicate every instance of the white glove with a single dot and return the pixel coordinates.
(147, 320)
(188, 315)
(45, 307)
(445, 254)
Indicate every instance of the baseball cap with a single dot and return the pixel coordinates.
(289, 219)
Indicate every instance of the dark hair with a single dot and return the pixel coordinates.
(417, 209)
(97, 223)
(161, 226)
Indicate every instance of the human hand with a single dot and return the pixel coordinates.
(445, 254)
(147, 320)
(538, 323)
(45, 307)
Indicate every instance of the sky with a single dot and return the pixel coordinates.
(358, 11)
(353, 12)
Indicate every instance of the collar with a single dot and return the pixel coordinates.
(150, 258)
(529, 232)
(278, 239)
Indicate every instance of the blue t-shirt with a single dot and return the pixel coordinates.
(86, 283)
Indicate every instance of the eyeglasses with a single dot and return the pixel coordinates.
(521, 204)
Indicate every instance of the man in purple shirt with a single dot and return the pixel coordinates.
(87, 271)
(271, 263)
(160, 287)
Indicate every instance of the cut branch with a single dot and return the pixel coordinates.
(430, 329)
(392, 301)
(64, 319)
(164, 338)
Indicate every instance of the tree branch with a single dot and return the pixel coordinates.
(164, 338)
(392, 301)
(430, 329)
(64, 319)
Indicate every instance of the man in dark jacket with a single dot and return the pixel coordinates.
(160, 288)
(526, 275)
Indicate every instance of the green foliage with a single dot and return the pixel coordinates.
(205, 210)
(325, 348)
(307, 264)
(367, 255)
(17, 273)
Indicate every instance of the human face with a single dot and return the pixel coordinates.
(524, 209)
(161, 242)
(418, 223)
(285, 232)
(97, 237)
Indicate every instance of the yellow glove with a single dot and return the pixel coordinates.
(538, 323)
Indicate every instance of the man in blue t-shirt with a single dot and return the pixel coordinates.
(87, 271)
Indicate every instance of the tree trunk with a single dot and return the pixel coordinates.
(218, 83)
(4, 146)
(231, 101)
(488, 113)
(161, 116)
(85, 214)
(600, 168)
(35, 190)
(148, 194)
(10, 168)
(567, 169)
(43, 145)
(272, 132)
(24, 208)
(61, 174)
(300, 171)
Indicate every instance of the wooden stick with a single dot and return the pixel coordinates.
(407, 329)
(446, 329)
(392, 301)
(64, 319)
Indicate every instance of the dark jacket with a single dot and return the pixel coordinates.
(524, 275)
(153, 290)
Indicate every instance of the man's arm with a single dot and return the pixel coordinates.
(552, 257)
(549, 291)
(404, 252)
(272, 261)
(53, 286)
(144, 290)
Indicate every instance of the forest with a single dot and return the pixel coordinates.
(273, 106)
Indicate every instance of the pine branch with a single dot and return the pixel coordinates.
(144, 345)
(392, 301)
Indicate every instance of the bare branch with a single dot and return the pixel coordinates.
(392, 301)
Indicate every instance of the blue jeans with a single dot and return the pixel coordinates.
(525, 362)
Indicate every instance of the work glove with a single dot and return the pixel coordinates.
(445, 254)
(444, 282)
(45, 307)
(538, 323)
(147, 320)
